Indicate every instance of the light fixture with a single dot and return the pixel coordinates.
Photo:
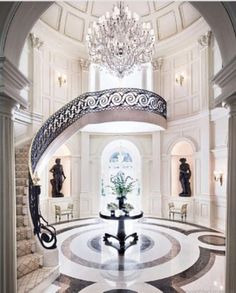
(218, 176)
(179, 79)
(62, 79)
(119, 41)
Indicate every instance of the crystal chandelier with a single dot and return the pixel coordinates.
(119, 42)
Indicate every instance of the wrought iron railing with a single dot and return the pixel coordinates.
(91, 102)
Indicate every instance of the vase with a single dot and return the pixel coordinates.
(121, 202)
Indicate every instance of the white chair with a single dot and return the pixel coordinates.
(181, 211)
(59, 212)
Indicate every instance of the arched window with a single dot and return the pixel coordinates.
(120, 156)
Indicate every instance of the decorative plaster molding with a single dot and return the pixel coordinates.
(35, 41)
(12, 81)
(157, 63)
(226, 79)
(27, 117)
(205, 39)
(84, 63)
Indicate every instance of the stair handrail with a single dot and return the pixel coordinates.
(90, 102)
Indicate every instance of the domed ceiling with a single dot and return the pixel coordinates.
(72, 19)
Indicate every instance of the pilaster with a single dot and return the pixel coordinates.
(204, 42)
(7, 198)
(12, 81)
(84, 64)
(230, 282)
(157, 74)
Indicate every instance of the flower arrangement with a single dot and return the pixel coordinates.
(122, 185)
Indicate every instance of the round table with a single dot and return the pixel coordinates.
(121, 235)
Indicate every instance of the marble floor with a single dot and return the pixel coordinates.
(170, 256)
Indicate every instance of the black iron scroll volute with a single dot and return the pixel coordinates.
(45, 232)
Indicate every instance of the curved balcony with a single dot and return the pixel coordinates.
(119, 104)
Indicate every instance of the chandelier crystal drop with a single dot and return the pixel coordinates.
(119, 41)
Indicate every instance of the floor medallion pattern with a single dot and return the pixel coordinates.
(170, 256)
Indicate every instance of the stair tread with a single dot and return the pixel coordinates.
(21, 242)
(28, 257)
(31, 280)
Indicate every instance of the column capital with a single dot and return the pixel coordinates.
(12, 81)
(157, 63)
(7, 106)
(35, 41)
(205, 39)
(230, 103)
(84, 63)
(226, 80)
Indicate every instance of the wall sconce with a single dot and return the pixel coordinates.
(218, 176)
(179, 79)
(62, 79)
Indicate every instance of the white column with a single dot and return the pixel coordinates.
(85, 197)
(156, 175)
(147, 77)
(204, 41)
(230, 281)
(36, 99)
(7, 198)
(12, 82)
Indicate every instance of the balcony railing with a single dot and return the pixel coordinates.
(118, 99)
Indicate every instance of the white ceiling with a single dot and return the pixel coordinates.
(72, 19)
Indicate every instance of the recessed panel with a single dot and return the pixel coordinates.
(166, 25)
(46, 107)
(74, 27)
(80, 5)
(52, 16)
(158, 5)
(195, 104)
(188, 14)
(180, 108)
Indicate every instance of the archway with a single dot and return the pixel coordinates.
(182, 149)
(120, 156)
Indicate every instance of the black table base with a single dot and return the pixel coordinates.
(121, 236)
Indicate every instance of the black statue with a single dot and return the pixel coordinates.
(184, 177)
(58, 178)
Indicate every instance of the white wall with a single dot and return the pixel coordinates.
(190, 118)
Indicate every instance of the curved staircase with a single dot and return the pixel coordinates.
(32, 276)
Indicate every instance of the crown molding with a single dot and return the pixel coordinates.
(12, 81)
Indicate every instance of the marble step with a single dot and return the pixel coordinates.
(21, 159)
(21, 182)
(25, 247)
(21, 210)
(21, 199)
(23, 233)
(22, 167)
(22, 174)
(21, 190)
(22, 221)
(28, 263)
(38, 280)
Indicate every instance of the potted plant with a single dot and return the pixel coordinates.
(121, 186)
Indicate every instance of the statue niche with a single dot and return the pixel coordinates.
(184, 177)
(58, 178)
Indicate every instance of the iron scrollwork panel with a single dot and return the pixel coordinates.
(45, 232)
(92, 102)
